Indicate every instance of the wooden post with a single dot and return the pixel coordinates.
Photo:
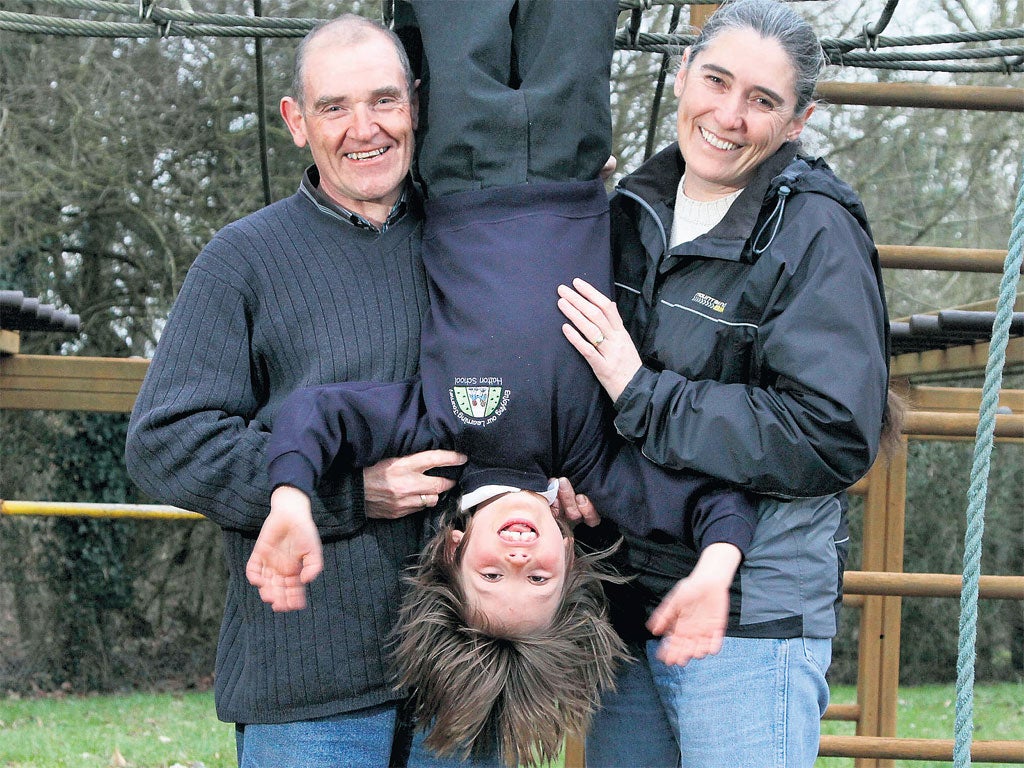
(699, 14)
(878, 664)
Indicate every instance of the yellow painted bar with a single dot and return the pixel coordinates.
(82, 509)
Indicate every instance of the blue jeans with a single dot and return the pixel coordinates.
(361, 738)
(757, 703)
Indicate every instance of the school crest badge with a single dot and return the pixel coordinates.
(478, 401)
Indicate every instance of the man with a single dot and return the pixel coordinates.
(326, 285)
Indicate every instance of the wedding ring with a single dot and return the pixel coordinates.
(597, 342)
(423, 500)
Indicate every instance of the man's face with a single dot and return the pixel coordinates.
(514, 561)
(358, 118)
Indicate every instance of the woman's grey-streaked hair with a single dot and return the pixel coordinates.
(481, 692)
(772, 20)
(349, 28)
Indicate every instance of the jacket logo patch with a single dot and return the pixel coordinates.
(710, 302)
(478, 402)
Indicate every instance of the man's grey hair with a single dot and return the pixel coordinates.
(348, 29)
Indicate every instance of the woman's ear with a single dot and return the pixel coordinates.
(680, 81)
(797, 126)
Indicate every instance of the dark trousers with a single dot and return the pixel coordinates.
(517, 90)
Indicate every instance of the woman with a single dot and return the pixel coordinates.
(748, 279)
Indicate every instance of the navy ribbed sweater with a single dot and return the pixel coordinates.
(289, 296)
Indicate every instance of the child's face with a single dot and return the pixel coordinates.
(514, 561)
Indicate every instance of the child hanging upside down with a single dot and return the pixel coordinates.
(503, 639)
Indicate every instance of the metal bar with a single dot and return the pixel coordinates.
(958, 320)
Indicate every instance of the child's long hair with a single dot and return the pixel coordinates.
(478, 691)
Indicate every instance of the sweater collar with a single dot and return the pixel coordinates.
(310, 187)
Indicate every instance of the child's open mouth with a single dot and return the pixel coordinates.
(518, 531)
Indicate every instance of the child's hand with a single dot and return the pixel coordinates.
(691, 620)
(287, 555)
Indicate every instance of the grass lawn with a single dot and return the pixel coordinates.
(181, 731)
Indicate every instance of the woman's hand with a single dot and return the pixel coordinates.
(287, 555)
(394, 488)
(595, 329)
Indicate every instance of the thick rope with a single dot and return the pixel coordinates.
(147, 19)
(964, 726)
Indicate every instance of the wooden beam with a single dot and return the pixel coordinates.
(845, 712)
(10, 343)
(946, 399)
(699, 14)
(969, 97)
(957, 424)
(971, 357)
(60, 383)
(929, 585)
(949, 259)
(919, 749)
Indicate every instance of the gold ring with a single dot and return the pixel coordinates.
(423, 500)
(597, 342)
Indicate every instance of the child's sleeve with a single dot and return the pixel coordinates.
(351, 424)
(646, 499)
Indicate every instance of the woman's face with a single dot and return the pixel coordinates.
(736, 108)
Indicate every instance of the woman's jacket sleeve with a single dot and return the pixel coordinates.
(812, 426)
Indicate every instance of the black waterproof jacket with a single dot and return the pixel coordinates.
(765, 344)
(765, 340)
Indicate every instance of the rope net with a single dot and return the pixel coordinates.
(995, 50)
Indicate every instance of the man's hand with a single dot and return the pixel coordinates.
(692, 618)
(574, 507)
(398, 487)
(287, 555)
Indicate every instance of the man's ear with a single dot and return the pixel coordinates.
(295, 120)
(414, 105)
